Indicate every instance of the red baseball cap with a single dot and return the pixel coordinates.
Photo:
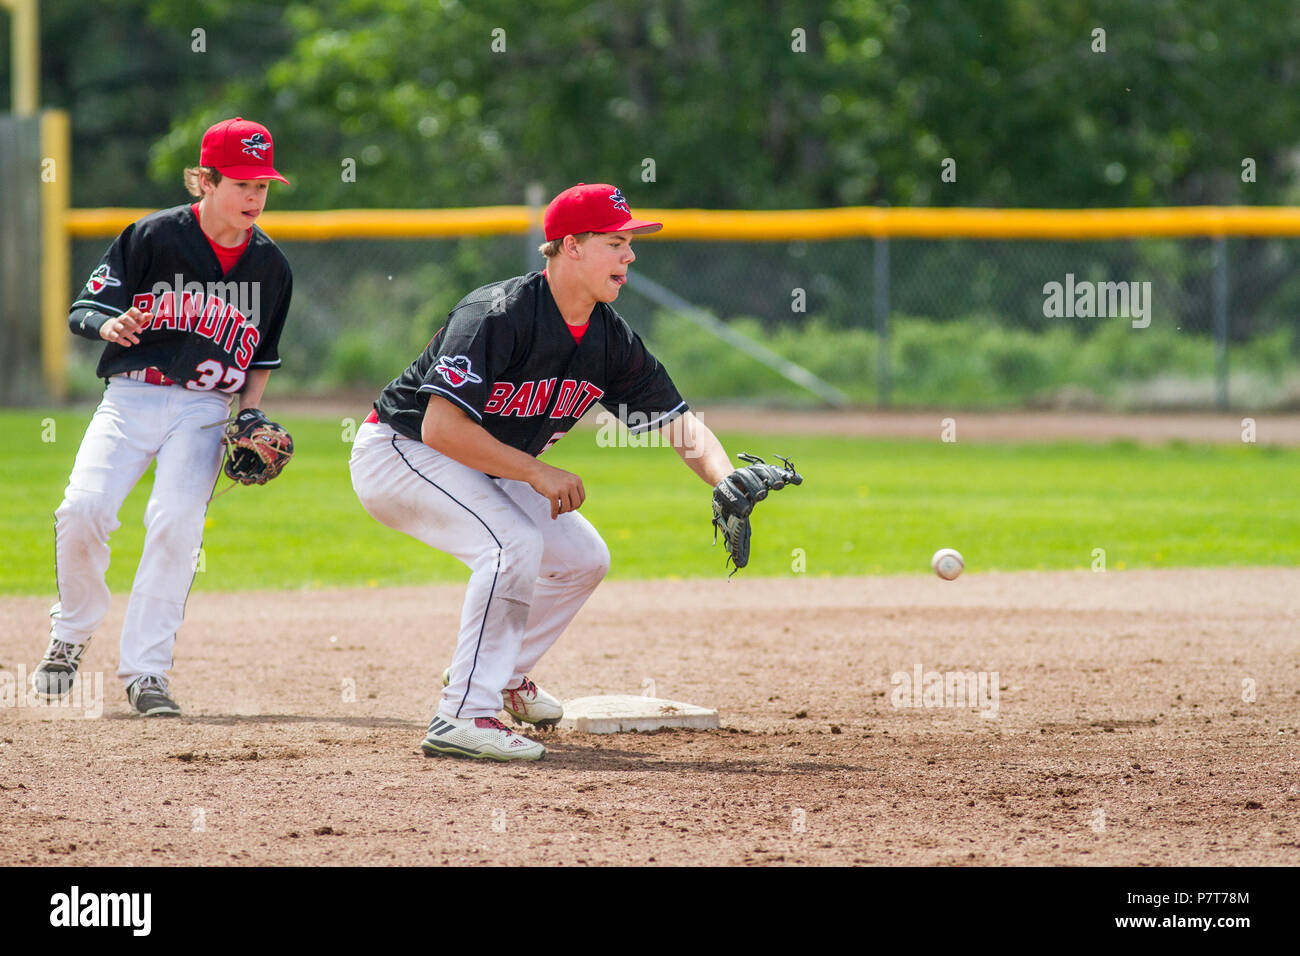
(239, 149)
(598, 207)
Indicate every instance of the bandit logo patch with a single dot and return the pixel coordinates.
(455, 370)
(101, 279)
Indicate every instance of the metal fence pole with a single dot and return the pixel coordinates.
(880, 298)
(1220, 295)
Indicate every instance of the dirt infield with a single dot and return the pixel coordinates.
(1140, 717)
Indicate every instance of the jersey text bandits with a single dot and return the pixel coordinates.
(208, 329)
(506, 359)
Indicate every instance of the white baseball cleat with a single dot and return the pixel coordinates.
(529, 704)
(481, 738)
(526, 704)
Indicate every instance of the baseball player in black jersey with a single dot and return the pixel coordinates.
(191, 302)
(450, 457)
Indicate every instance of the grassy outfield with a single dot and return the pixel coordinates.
(865, 507)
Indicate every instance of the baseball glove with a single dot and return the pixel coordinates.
(257, 449)
(735, 496)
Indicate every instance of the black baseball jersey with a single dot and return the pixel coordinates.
(508, 360)
(208, 328)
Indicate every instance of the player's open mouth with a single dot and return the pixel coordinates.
(618, 279)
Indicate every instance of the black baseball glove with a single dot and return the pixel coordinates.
(735, 496)
(257, 449)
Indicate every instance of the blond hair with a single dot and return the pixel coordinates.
(193, 179)
(552, 249)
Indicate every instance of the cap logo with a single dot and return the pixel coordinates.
(619, 202)
(255, 144)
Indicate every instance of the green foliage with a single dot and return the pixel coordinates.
(127, 69)
(799, 104)
(1270, 355)
(369, 310)
(973, 363)
(460, 103)
(970, 363)
(361, 358)
(866, 507)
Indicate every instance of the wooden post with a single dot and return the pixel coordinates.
(25, 47)
(56, 176)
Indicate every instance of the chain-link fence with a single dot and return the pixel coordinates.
(1183, 322)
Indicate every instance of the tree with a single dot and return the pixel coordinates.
(127, 70)
(462, 104)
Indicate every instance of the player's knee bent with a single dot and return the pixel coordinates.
(596, 562)
(176, 527)
(589, 566)
(520, 554)
(85, 513)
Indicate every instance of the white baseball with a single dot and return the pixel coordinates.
(947, 563)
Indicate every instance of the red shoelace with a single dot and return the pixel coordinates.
(527, 687)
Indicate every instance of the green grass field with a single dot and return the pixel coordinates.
(865, 507)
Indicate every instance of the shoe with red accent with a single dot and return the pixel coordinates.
(526, 704)
(529, 704)
(479, 738)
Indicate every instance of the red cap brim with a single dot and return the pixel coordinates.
(251, 172)
(638, 226)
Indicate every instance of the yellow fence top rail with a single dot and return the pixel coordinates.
(758, 225)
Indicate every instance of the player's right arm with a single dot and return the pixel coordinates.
(448, 430)
(124, 329)
(104, 308)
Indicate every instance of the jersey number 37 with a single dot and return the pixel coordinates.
(214, 375)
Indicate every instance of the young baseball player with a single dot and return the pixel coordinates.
(450, 457)
(190, 302)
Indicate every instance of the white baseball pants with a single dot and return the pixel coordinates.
(134, 424)
(529, 575)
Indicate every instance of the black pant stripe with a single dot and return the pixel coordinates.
(496, 574)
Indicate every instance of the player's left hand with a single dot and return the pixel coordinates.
(257, 448)
(735, 496)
